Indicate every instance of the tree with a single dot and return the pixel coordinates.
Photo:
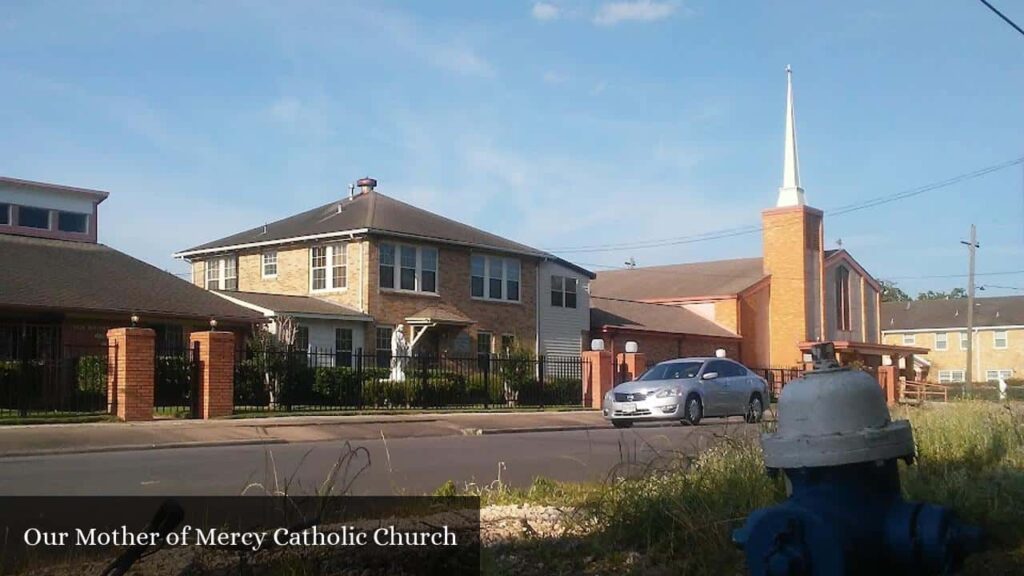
(954, 294)
(892, 293)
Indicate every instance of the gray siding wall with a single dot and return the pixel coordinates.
(560, 330)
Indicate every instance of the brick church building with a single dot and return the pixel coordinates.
(765, 311)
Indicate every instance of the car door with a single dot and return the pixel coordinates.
(714, 390)
(737, 392)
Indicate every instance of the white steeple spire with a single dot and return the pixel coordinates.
(790, 194)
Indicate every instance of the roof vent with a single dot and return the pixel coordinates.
(366, 185)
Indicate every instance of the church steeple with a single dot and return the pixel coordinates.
(790, 194)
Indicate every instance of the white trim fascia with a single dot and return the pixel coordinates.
(312, 316)
(350, 233)
(960, 329)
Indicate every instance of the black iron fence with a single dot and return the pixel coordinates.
(175, 380)
(73, 381)
(778, 378)
(329, 380)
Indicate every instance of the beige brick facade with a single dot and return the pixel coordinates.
(986, 356)
(391, 307)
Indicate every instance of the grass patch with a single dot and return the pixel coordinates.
(679, 520)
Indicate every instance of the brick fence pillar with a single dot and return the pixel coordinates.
(631, 364)
(888, 379)
(216, 373)
(598, 377)
(130, 373)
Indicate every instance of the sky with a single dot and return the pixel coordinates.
(558, 124)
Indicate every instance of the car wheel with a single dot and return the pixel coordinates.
(693, 411)
(755, 410)
(622, 423)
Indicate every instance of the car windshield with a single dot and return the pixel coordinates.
(673, 371)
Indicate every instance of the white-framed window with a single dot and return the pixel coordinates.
(328, 267)
(222, 273)
(407, 267)
(343, 346)
(383, 345)
(950, 376)
(73, 222)
(484, 343)
(995, 375)
(508, 342)
(494, 278)
(564, 291)
(941, 341)
(5, 214)
(268, 264)
(909, 339)
(963, 341)
(999, 340)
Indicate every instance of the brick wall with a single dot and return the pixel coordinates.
(792, 254)
(389, 307)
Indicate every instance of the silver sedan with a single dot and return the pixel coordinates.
(688, 389)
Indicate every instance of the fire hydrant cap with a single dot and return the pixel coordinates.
(835, 417)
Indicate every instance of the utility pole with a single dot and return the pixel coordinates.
(972, 246)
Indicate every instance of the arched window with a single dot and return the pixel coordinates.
(843, 298)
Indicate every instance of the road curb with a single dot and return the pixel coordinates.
(139, 447)
(566, 428)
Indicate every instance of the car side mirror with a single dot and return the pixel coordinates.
(710, 375)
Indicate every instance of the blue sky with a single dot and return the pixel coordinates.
(557, 124)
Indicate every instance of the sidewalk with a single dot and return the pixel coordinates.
(45, 439)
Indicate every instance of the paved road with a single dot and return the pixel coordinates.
(399, 466)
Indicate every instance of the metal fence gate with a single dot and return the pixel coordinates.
(176, 381)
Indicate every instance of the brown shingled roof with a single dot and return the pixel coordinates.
(294, 305)
(693, 280)
(80, 276)
(610, 313)
(923, 314)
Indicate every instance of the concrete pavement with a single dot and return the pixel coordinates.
(47, 439)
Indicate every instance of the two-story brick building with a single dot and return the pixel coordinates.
(359, 267)
(941, 326)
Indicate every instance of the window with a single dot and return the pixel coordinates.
(384, 345)
(222, 273)
(949, 376)
(563, 292)
(342, 346)
(999, 340)
(909, 339)
(963, 341)
(508, 342)
(494, 278)
(941, 341)
(995, 375)
(328, 267)
(269, 264)
(843, 298)
(34, 217)
(407, 267)
(5, 214)
(483, 343)
(72, 222)
(302, 338)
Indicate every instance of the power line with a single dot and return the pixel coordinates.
(1003, 16)
(739, 231)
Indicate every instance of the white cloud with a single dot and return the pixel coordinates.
(544, 11)
(553, 77)
(460, 60)
(613, 13)
(599, 88)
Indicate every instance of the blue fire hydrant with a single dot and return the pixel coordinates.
(845, 515)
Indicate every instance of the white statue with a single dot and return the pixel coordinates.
(399, 353)
(1002, 390)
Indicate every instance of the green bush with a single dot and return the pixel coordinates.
(172, 381)
(92, 374)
